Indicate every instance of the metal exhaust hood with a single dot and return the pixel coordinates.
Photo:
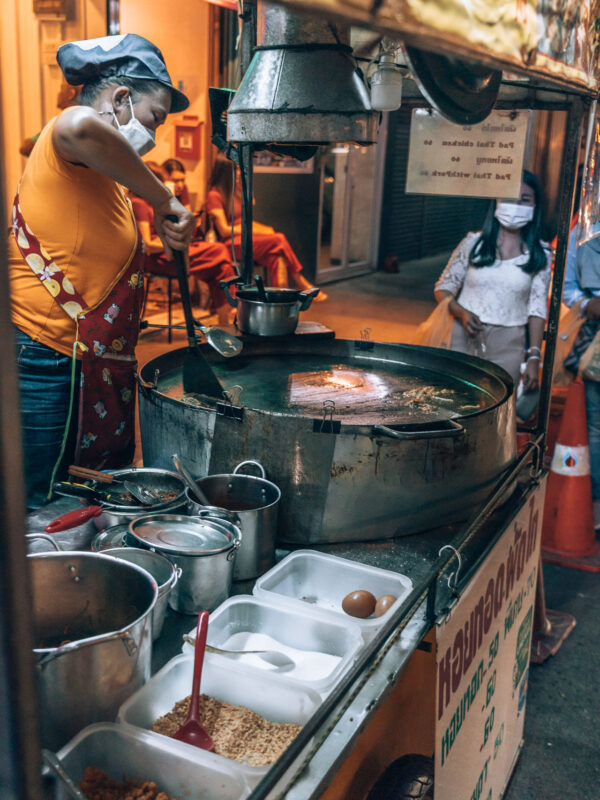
(301, 86)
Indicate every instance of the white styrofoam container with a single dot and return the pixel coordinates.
(178, 769)
(305, 628)
(270, 695)
(309, 578)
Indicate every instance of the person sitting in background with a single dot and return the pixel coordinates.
(209, 262)
(497, 281)
(175, 180)
(269, 248)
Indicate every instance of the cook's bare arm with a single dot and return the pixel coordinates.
(81, 136)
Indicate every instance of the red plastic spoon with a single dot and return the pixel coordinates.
(192, 731)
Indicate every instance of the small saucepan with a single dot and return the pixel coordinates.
(254, 502)
(276, 317)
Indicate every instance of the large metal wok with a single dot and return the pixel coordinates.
(366, 440)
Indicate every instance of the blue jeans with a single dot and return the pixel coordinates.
(45, 387)
(592, 409)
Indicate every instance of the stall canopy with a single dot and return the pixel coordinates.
(556, 41)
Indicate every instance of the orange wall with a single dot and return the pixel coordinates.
(30, 76)
(180, 30)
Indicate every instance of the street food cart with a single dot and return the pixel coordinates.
(443, 680)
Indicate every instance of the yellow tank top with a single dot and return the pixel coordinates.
(85, 222)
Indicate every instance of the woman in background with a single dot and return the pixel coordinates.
(269, 248)
(498, 281)
(175, 180)
(210, 262)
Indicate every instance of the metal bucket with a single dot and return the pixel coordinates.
(206, 568)
(93, 635)
(160, 568)
(255, 503)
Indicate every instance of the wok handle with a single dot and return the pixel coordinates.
(306, 298)
(455, 429)
(225, 286)
(73, 519)
(263, 474)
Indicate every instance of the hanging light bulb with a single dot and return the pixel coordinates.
(589, 209)
(386, 84)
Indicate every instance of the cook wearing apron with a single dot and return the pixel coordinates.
(76, 284)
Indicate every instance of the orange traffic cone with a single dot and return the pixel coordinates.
(568, 535)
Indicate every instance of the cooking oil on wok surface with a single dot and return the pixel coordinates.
(394, 393)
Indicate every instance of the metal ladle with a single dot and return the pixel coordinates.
(272, 657)
(55, 765)
(224, 343)
(189, 481)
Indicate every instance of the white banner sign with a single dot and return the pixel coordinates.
(484, 160)
(483, 651)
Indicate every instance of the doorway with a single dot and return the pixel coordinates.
(351, 183)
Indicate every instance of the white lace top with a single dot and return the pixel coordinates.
(501, 294)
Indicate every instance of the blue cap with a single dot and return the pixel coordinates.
(134, 56)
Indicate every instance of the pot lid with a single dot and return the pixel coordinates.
(115, 536)
(172, 533)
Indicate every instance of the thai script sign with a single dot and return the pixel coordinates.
(483, 160)
(483, 651)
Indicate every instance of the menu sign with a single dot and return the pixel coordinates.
(483, 160)
(483, 648)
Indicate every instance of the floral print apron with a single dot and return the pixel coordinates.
(106, 336)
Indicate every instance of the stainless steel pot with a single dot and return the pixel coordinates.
(93, 637)
(343, 473)
(255, 503)
(278, 317)
(203, 550)
(161, 569)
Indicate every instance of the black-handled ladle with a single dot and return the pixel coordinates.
(198, 377)
(261, 289)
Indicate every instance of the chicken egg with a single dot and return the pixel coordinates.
(385, 602)
(359, 604)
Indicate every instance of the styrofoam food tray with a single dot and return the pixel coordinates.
(178, 769)
(295, 631)
(269, 695)
(307, 577)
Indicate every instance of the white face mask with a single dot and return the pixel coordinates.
(138, 136)
(513, 215)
